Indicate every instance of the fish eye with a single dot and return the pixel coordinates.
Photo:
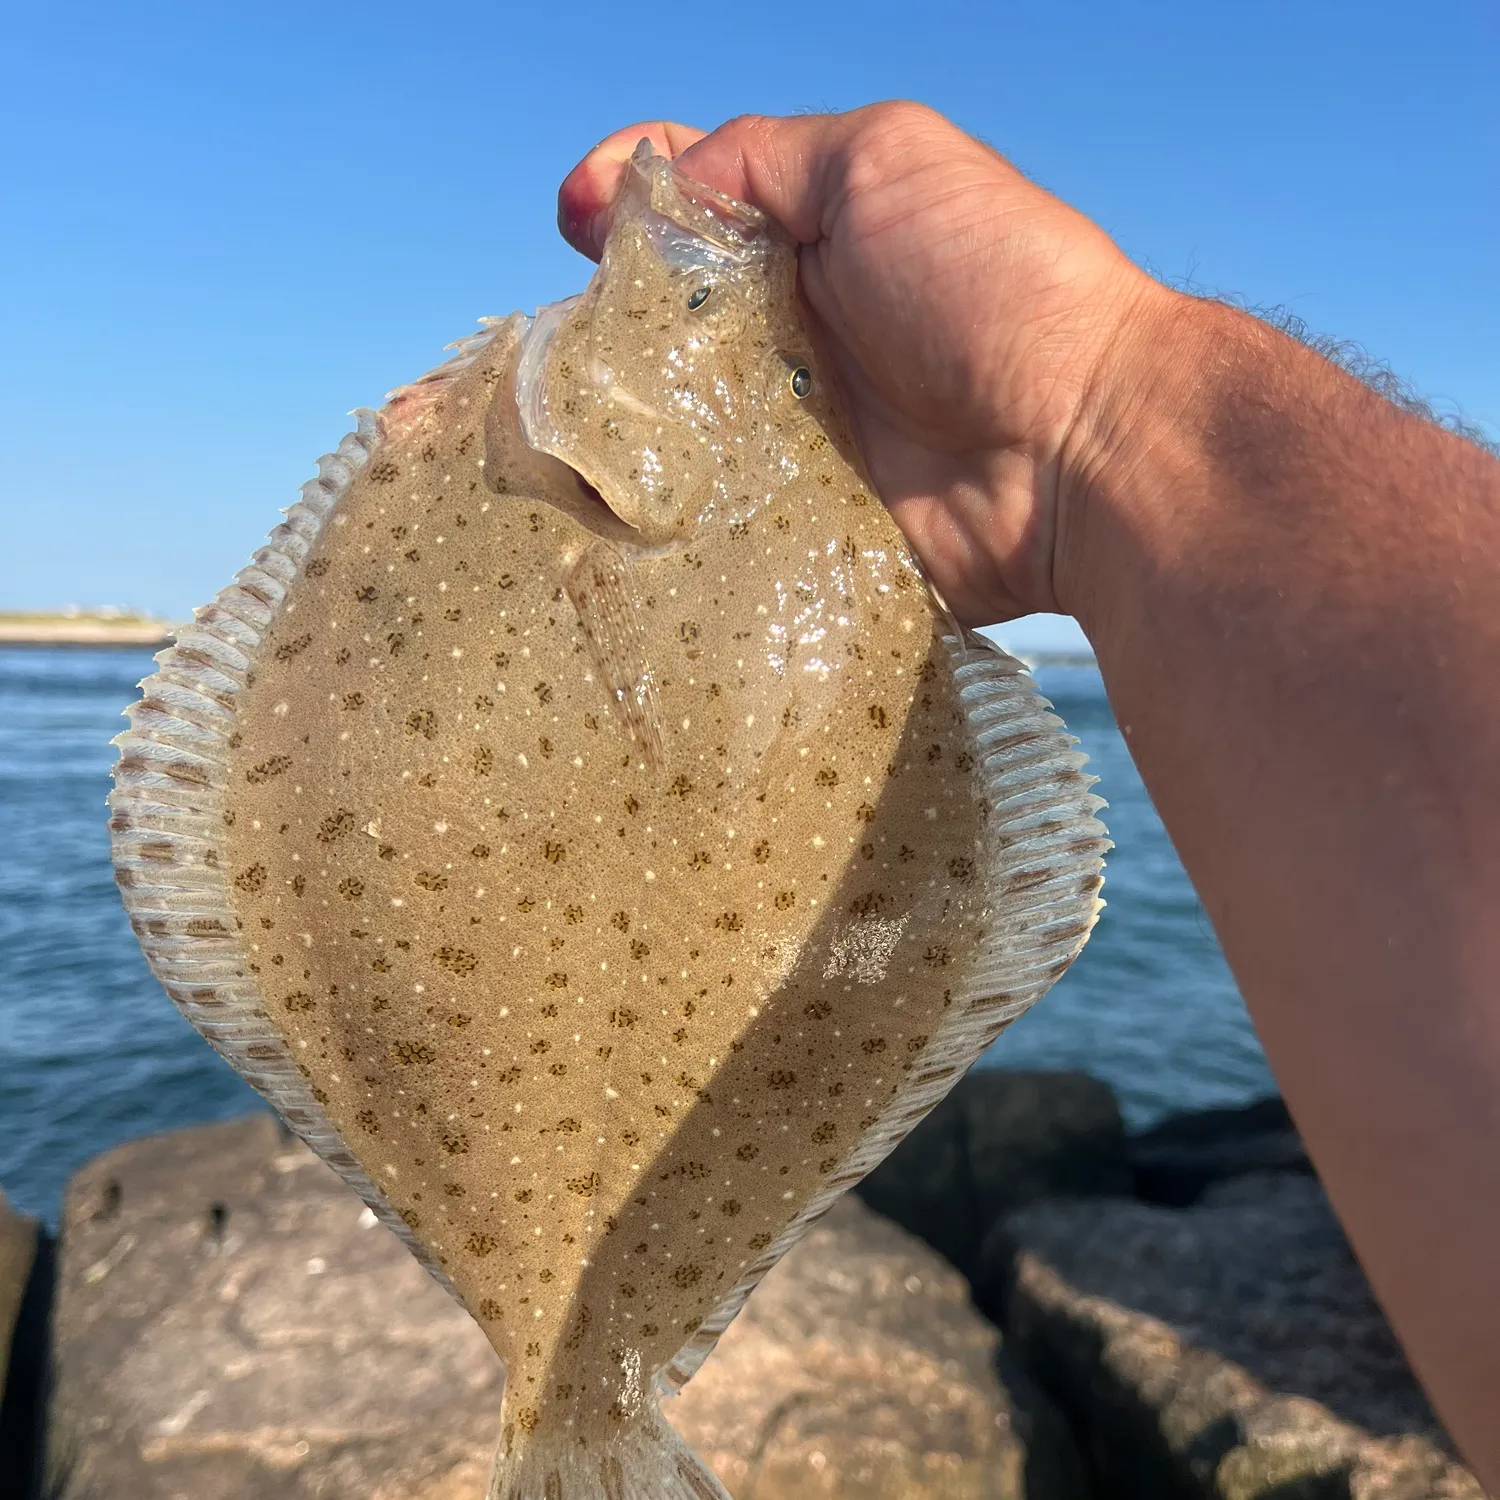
(697, 297)
(800, 382)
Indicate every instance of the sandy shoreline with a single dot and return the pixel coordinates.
(85, 632)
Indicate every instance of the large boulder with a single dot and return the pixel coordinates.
(18, 1240)
(231, 1322)
(25, 1264)
(860, 1368)
(1232, 1350)
(1000, 1140)
(1176, 1161)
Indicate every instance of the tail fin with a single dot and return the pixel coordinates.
(643, 1459)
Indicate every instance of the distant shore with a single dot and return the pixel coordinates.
(84, 630)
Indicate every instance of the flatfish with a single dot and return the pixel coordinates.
(585, 827)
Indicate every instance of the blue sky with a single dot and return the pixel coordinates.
(221, 227)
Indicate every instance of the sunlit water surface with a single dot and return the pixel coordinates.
(92, 1053)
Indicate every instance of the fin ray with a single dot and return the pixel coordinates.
(598, 585)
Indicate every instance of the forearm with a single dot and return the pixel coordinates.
(1294, 592)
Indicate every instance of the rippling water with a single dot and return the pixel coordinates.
(92, 1052)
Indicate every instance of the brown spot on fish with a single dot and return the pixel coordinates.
(274, 765)
(288, 649)
(456, 960)
(408, 1053)
(337, 825)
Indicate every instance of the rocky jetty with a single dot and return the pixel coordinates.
(231, 1321)
(1093, 1316)
(25, 1292)
(860, 1368)
(1229, 1350)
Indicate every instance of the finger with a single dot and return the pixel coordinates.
(588, 191)
(790, 167)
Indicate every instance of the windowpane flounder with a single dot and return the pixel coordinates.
(582, 824)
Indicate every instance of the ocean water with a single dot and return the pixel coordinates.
(92, 1053)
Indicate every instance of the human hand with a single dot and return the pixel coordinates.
(976, 325)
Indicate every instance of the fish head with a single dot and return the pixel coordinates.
(661, 383)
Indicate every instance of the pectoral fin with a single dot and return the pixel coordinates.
(600, 588)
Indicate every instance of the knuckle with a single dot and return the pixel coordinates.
(752, 125)
(899, 116)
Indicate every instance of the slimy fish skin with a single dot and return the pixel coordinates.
(583, 825)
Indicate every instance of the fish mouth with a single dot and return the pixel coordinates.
(690, 229)
(592, 509)
(593, 498)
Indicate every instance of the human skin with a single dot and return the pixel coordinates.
(1293, 589)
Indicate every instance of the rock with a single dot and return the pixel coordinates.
(860, 1368)
(1408, 1469)
(230, 1322)
(1260, 1273)
(1231, 1350)
(18, 1240)
(1175, 1162)
(25, 1287)
(1000, 1140)
(1041, 1135)
(1161, 1420)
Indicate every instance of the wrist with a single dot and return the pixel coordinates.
(1138, 444)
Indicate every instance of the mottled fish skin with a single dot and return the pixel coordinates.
(619, 865)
